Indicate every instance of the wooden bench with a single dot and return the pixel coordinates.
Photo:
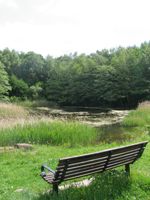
(87, 164)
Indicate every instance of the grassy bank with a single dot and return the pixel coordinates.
(20, 169)
(140, 117)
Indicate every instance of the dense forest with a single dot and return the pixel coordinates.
(119, 77)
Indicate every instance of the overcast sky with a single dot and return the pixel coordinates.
(58, 27)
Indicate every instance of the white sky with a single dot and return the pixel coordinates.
(58, 27)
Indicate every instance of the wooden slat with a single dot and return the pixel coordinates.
(125, 153)
(86, 174)
(120, 163)
(85, 157)
(93, 166)
(132, 157)
(83, 172)
(74, 176)
(84, 168)
(103, 159)
(49, 174)
(128, 148)
(48, 179)
(88, 170)
(76, 159)
(117, 165)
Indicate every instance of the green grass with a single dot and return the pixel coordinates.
(50, 133)
(20, 170)
(139, 117)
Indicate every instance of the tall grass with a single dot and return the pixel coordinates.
(139, 117)
(50, 133)
(12, 111)
(41, 129)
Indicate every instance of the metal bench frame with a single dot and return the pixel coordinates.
(83, 165)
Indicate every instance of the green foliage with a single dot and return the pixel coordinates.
(118, 77)
(19, 88)
(35, 91)
(4, 84)
(15, 99)
(11, 61)
(31, 68)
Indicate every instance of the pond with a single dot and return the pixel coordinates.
(105, 120)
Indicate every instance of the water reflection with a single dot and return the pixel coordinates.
(114, 133)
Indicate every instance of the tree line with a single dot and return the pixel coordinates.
(117, 77)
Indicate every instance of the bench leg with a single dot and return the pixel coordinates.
(127, 168)
(55, 188)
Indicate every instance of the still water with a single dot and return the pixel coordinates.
(106, 121)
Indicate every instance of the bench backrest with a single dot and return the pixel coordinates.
(87, 164)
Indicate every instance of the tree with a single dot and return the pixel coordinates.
(105, 86)
(19, 88)
(54, 85)
(32, 68)
(35, 91)
(48, 67)
(11, 61)
(4, 84)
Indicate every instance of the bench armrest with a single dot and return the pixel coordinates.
(49, 169)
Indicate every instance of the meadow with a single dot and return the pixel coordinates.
(51, 140)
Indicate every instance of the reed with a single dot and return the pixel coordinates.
(50, 133)
(9, 110)
(139, 117)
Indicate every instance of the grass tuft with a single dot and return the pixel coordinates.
(12, 111)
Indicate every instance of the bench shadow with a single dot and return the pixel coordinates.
(108, 185)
